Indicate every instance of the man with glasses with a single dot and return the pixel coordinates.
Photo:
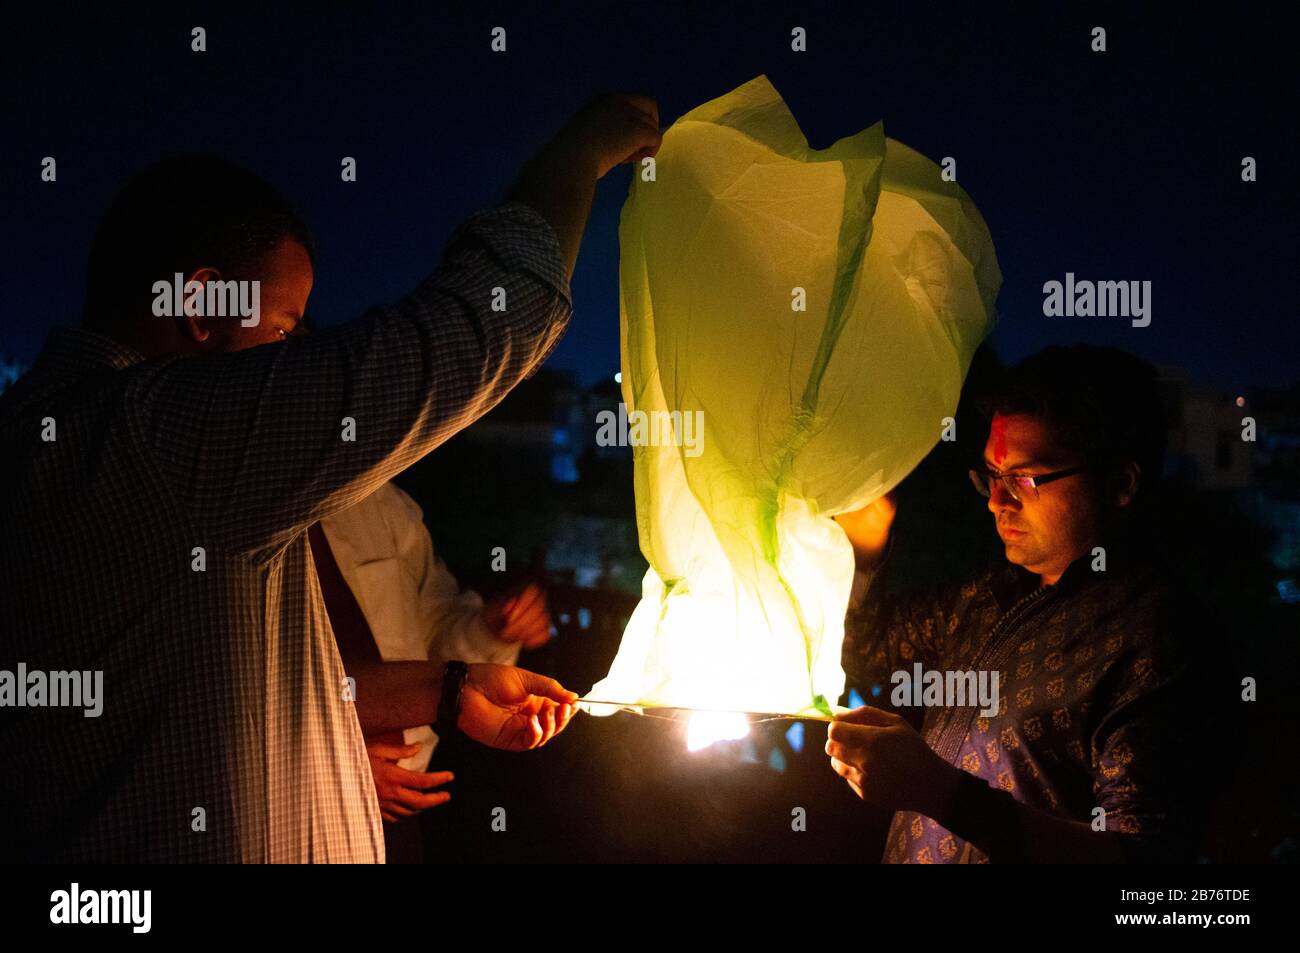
(1087, 757)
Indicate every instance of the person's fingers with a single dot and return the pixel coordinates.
(534, 614)
(419, 800)
(390, 818)
(849, 752)
(515, 734)
(542, 723)
(560, 719)
(392, 752)
(643, 104)
(629, 107)
(646, 140)
(538, 638)
(545, 687)
(532, 705)
(533, 635)
(530, 635)
(548, 724)
(517, 725)
(846, 771)
(566, 715)
(613, 128)
(530, 596)
(651, 125)
(395, 808)
(849, 734)
(866, 715)
(538, 615)
(648, 117)
(527, 628)
(421, 779)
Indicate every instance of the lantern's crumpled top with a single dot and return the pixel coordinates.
(798, 414)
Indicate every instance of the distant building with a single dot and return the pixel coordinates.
(1277, 480)
(1209, 450)
(543, 438)
(1206, 448)
(536, 425)
(549, 416)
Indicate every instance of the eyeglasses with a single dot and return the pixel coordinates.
(1019, 486)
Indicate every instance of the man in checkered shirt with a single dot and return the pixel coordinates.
(160, 474)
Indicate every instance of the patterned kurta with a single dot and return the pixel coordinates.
(1094, 707)
(226, 732)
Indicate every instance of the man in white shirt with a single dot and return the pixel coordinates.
(414, 610)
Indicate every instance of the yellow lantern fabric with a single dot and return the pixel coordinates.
(798, 414)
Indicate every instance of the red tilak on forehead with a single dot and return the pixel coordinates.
(999, 439)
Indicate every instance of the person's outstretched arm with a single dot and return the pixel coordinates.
(258, 444)
(887, 763)
(561, 179)
(501, 706)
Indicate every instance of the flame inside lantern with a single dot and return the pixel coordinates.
(705, 728)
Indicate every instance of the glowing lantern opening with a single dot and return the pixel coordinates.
(705, 728)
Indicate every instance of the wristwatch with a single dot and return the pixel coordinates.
(453, 681)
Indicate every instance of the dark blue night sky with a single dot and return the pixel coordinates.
(1119, 165)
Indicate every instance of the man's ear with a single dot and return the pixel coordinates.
(194, 323)
(1127, 479)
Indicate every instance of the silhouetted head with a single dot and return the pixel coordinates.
(219, 227)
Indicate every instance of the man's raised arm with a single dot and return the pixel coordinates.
(260, 443)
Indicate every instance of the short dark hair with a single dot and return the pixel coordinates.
(179, 214)
(1100, 401)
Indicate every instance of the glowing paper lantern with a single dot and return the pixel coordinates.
(805, 413)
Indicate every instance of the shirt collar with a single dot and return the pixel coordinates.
(1012, 583)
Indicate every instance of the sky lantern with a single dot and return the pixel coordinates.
(813, 313)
